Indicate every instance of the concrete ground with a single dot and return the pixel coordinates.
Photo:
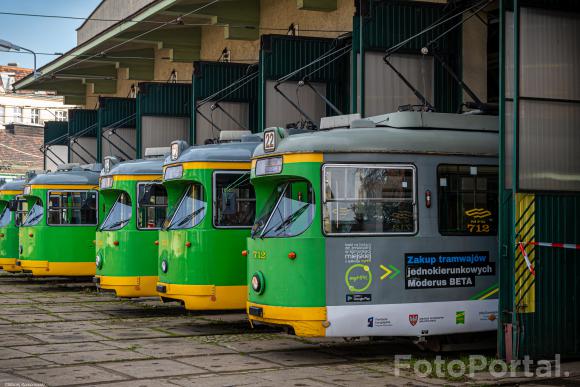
(62, 332)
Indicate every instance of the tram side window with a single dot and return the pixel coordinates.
(369, 199)
(5, 214)
(21, 212)
(78, 208)
(151, 207)
(468, 203)
(234, 200)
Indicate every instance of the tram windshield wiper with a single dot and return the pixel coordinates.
(113, 226)
(33, 216)
(187, 218)
(289, 220)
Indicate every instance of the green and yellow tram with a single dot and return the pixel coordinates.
(211, 211)
(58, 234)
(383, 228)
(136, 202)
(11, 214)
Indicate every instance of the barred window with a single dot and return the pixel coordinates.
(77, 208)
(234, 200)
(151, 206)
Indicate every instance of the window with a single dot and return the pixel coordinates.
(119, 215)
(34, 116)
(468, 199)
(191, 209)
(77, 208)
(288, 212)
(16, 114)
(234, 200)
(151, 206)
(61, 115)
(369, 199)
(5, 215)
(21, 212)
(35, 214)
(2, 113)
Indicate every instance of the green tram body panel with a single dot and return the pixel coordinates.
(127, 257)
(8, 227)
(204, 265)
(65, 249)
(359, 284)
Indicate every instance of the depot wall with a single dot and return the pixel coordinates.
(275, 17)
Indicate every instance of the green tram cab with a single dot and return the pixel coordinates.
(58, 233)
(386, 227)
(133, 196)
(12, 211)
(211, 211)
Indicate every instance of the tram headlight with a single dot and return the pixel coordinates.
(258, 283)
(164, 266)
(174, 172)
(99, 262)
(269, 166)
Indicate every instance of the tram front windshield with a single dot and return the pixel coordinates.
(288, 212)
(191, 209)
(4, 214)
(119, 215)
(35, 214)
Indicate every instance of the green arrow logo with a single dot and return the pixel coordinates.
(390, 272)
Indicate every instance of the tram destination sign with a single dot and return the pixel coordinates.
(446, 270)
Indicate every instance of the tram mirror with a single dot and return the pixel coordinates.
(13, 205)
(229, 203)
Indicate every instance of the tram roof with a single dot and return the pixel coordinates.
(14, 185)
(416, 132)
(76, 175)
(152, 166)
(224, 152)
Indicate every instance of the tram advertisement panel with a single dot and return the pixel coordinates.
(446, 270)
(384, 286)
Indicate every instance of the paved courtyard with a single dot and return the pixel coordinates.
(61, 332)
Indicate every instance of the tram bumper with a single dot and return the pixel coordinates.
(46, 268)
(9, 265)
(204, 297)
(134, 286)
(306, 322)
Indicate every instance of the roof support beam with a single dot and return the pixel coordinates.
(75, 99)
(104, 86)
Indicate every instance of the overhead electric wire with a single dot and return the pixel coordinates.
(176, 22)
(95, 19)
(438, 23)
(135, 37)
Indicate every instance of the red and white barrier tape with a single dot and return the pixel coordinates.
(561, 245)
(530, 267)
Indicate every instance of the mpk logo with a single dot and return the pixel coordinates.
(413, 319)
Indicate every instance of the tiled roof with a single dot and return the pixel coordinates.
(20, 153)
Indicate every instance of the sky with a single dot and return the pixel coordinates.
(46, 35)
